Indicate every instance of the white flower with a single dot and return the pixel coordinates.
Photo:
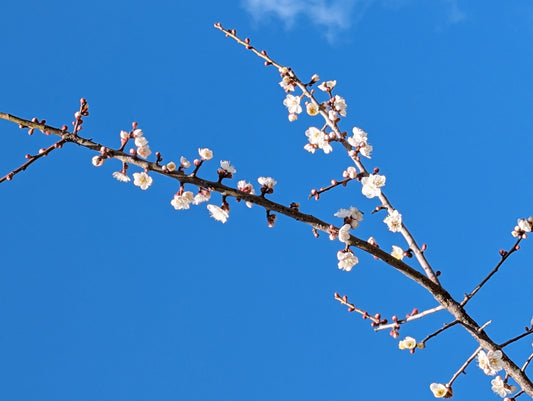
(339, 104)
(312, 109)
(310, 148)
(397, 252)
(344, 233)
(142, 180)
(293, 104)
(524, 225)
(124, 135)
(184, 163)
(205, 153)
(141, 141)
(394, 221)
(332, 115)
(318, 139)
(202, 196)
(315, 78)
(372, 184)
(171, 166)
(440, 390)
(327, 86)
(501, 388)
(366, 150)
(97, 161)
(138, 133)
(350, 172)
(144, 151)
(183, 201)
(353, 214)
(267, 182)
(359, 137)
(490, 362)
(247, 187)
(347, 260)
(225, 165)
(120, 176)
(287, 84)
(407, 343)
(292, 117)
(218, 213)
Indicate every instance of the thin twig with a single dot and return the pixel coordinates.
(526, 363)
(443, 328)
(410, 318)
(512, 340)
(463, 367)
(505, 255)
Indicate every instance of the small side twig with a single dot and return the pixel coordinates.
(411, 317)
(463, 366)
(512, 340)
(445, 327)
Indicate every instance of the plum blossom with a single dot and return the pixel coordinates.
(440, 390)
(247, 187)
(292, 117)
(312, 109)
(501, 388)
(344, 233)
(226, 166)
(327, 86)
(142, 180)
(184, 163)
(407, 343)
(339, 104)
(202, 196)
(490, 362)
(97, 161)
(121, 176)
(397, 252)
(351, 216)
(293, 104)
(347, 260)
(359, 138)
(317, 140)
(171, 166)
(394, 221)
(366, 150)
(350, 172)
(182, 201)
(267, 182)
(287, 84)
(205, 153)
(218, 213)
(372, 184)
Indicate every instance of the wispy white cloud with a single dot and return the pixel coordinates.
(332, 15)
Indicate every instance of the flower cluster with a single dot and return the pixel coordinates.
(218, 213)
(351, 216)
(183, 200)
(490, 362)
(247, 187)
(317, 140)
(523, 226)
(360, 142)
(143, 150)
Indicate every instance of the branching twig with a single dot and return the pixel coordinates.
(463, 367)
(410, 318)
(512, 340)
(443, 328)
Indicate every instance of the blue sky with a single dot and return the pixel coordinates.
(108, 293)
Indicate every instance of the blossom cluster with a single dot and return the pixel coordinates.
(523, 226)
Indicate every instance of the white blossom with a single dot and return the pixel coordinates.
(501, 388)
(142, 180)
(397, 252)
(317, 139)
(183, 201)
(226, 165)
(347, 260)
(97, 161)
(350, 172)
(366, 150)
(353, 214)
(344, 233)
(359, 137)
(124, 135)
(171, 166)
(292, 117)
(407, 343)
(490, 362)
(312, 109)
(293, 104)
(372, 184)
(524, 225)
(327, 86)
(339, 105)
(184, 163)
(218, 213)
(267, 182)
(332, 115)
(440, 390)
(287, 84)
(202, 196)
(144, 151)
(205, 153)
(120, 176)
(247, 187)
(394, 221)
(138, 133)
(141, 141)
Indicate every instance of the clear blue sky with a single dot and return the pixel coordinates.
(107, 293)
